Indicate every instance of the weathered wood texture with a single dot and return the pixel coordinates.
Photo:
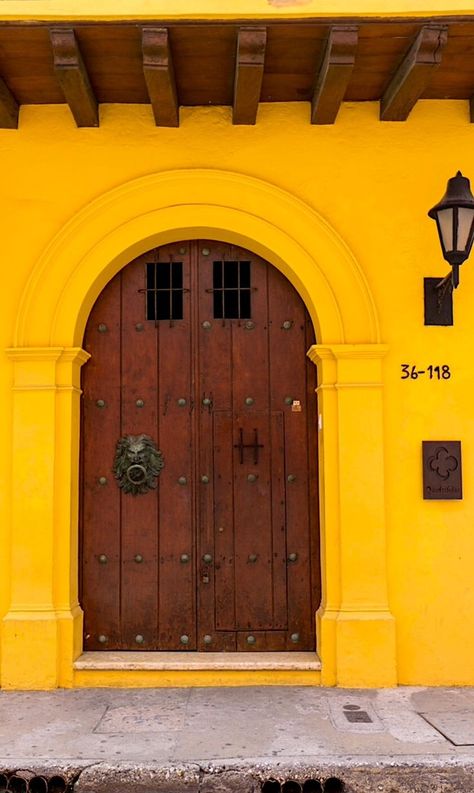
(204, 64)
(73, 77)
(249, 66)
(334, 74)
(159, 76)
(8, 107)
(413, 74)
(250, 544)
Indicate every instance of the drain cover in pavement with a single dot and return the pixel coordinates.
(456, 725)
(354, 714)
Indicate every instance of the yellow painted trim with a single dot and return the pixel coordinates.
(193, 678)
(44, 619)
(147, 212)
(355, 628)
(227, 10)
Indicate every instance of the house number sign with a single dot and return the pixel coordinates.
(442, 478)
(431, 372)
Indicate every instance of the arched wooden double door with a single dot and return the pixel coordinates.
(202, 347)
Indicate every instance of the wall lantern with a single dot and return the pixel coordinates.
(454, 216)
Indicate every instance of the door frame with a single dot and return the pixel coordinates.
(356, 631)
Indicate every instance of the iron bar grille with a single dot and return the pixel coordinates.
(164, 290)
(231, 290)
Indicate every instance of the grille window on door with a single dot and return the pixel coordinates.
(231, 289)
(164, 290)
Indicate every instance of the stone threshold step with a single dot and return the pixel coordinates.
(189, 661)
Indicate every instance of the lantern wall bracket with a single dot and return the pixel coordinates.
(439, 300)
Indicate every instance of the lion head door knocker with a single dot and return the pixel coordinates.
(137, 464)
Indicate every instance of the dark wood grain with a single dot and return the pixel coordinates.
(249, 66)
(334, 74)
(9, 107)
(101, 529)
(159, 76)
(247, 587)
(413, 74)
(204, 60)
(73, 78)
(139, 515)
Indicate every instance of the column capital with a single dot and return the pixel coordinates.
(323, 352)
(45, 367)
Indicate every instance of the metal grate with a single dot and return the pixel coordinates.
(232, 290)
(164, 290)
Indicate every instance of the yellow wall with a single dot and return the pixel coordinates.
(373, 183)
(226, 9)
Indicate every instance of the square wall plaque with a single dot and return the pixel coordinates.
(442, 470)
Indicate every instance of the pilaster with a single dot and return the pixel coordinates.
(355, 627)
(44, 616)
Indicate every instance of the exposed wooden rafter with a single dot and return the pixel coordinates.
(334, 74)
(159, 76)
(249, 63)
(8, 107)
(412, 76)
(73, 78)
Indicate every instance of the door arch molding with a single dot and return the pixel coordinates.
(187, 204)
(356, 628)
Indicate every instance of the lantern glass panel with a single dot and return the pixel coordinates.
(445, 220)
(465, 218)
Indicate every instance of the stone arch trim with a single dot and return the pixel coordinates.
(166, 207)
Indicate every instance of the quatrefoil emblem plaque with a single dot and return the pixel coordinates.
(442, 470)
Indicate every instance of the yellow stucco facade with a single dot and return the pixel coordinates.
(341, 210)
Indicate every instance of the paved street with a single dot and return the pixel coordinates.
(242, 737)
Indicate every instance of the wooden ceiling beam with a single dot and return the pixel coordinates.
(159, 76)
(249, 65)
(415, 71)
(9, 107)
(334, 73)
(73, 78)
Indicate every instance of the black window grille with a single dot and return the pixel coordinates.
(231, 290)
(164, 290)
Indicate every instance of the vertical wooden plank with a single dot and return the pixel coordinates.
(278, 506)
(214, 383)
(223, 437)
(101, 501)
(176, 441)
(139, 513)
(252, 500)
(288, 384)
(313, 479)
(253, 528)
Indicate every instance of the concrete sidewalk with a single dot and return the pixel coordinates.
(236, 739)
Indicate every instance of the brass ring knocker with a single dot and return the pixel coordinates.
(136, 474)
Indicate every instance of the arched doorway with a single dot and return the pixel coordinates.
(200, 346)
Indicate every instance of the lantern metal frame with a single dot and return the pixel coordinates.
(438, 293)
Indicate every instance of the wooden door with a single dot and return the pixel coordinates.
(201, 347)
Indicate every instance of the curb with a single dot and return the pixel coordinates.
(349, 776)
